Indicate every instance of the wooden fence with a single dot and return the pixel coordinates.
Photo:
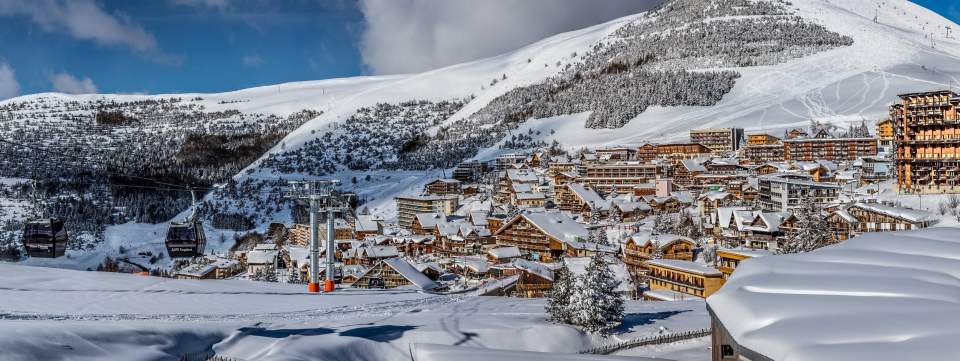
(647, 340)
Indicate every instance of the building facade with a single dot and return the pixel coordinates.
(927, 142)
(784, 192)
(722, 140)
(408, 207)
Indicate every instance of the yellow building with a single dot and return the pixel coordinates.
(674, 279)
(730, 258)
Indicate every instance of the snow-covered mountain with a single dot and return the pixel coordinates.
(763, 65)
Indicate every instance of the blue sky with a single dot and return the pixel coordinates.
(195, 47)
(167, 46)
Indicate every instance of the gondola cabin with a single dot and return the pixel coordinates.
(186, 239)
(45, 238)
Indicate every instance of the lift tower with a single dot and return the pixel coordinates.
(321, 197)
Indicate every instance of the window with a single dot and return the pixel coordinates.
(726, 351)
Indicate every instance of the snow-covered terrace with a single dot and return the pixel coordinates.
(891, 296)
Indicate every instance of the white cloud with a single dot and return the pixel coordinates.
(217, 4)
(83, 19)
(403, 36)
(9, 87)
(66, 83)
(252, 60)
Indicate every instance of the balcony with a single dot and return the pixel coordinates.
(677, 282)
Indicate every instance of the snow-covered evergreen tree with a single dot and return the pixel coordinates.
(293, 275)
(270, 275)
(812, 232)
(657, 252)
(558, 301)
(595, 305)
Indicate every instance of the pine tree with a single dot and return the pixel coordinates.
(293, 275)
(601, 236)
(257, 276)
(595, 305)
(657, 252)
(616, 216)
(812, 232)
(270, 275)
(558, 301)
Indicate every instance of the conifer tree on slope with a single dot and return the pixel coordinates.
(595, 304)
(558, 301)
(812, 232)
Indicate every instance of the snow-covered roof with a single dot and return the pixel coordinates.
(365, 223)
(687, 266)
(521, 187)
(298, 254)
(578, 266)
(476, 264)
(587, 195)
(714, 195)
(724, 214)
(747, 252)
(664, 239)
(693, 165)
(266, 247)
(430, 220)
(557, 225)
(530, 195)
(371, 251)
(409, 272)
(260, 257)
(536, 268)
(479, 218)
(504, 252)
(908, 214)
(887, 295)
(770, 221)
(197, 270)
(522, 176)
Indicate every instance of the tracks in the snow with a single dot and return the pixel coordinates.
(378, 309)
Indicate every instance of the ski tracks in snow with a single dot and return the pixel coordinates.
(379, 309)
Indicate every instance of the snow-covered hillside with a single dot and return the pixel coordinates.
(794, 61)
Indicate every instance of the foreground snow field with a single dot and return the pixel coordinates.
(48, 313)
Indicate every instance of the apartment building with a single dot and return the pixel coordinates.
(722, 140)
(927, 142)
(409, 206)
(828, 148)
(781, 192)
(624, 175)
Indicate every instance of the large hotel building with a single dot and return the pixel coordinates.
(722, 140)
(927, 131)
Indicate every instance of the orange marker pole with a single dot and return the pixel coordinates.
(328, 286)
(313, 287)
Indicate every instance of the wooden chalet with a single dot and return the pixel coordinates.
(542, 236)
(536, 279)
(642, 247)
(442, 187)
(392, 273)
